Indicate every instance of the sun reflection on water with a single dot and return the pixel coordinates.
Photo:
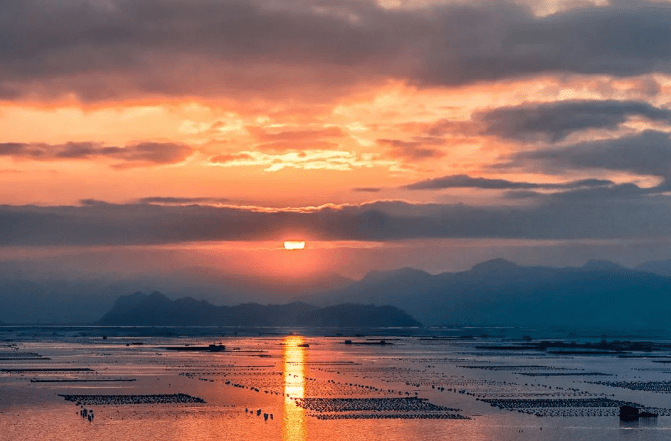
(293, 357)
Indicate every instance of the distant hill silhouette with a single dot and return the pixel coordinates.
(659, 267)
(158, 310)
(498, 292)
(30, 294)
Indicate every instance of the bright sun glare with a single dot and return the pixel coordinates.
(294, 245)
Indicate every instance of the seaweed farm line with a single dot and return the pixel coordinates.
(96, 383)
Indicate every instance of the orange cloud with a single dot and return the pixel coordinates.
(306, 160)
(413, 150)
(265, 135)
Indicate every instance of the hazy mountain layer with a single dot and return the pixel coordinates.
(30, 294)
(660, 267)
(498, 292)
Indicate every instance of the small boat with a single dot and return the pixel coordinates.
(631, 413)
(216, 348)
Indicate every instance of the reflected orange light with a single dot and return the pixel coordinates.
(294, 424)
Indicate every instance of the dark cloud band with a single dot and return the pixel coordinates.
(465, 181)
(96, 223)
(170, 200)
(107, 50)
(644, 153)
(147, 153)
(556, 120)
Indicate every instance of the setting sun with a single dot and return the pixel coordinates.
(294, 245)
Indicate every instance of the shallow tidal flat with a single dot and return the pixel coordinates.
(79, 385)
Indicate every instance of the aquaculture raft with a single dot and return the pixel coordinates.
(102, 400)
(381, 408)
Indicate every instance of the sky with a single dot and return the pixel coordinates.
(385, 134)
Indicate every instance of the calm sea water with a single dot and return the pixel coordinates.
(365, 391)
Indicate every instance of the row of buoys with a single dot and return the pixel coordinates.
(363, 388)
(512, 403)
(412, 404)
(563, 407)
(100, 400)
(522, 367)
(242, 386)
(258, 413)
(647, 386)
(402, 416)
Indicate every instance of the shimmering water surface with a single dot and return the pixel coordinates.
(298, 387)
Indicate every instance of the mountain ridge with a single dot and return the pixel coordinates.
(156, 309)
(501, 293)
(493, 292)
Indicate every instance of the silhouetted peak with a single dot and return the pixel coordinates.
(157, 296)
(139, 298)
(138, 295)
(403, 273)
(495, 265)
(298, 304)
(184, 300)
(131, 299)
(602, 265)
